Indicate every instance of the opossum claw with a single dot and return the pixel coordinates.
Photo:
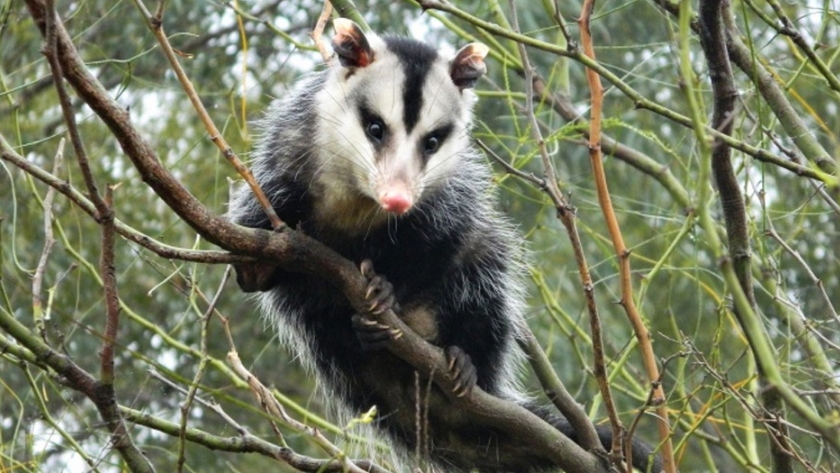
(461, 371)
(380, 292)
(367, 269)
(373, 335)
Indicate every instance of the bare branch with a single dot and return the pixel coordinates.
(49, 242)
(623, 255)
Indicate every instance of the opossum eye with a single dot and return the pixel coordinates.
(432, 141)
(375, 130)
(432, 144)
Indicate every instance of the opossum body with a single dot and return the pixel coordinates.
(372, 157)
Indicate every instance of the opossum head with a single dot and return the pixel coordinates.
(393, 120)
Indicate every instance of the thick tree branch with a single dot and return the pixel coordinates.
(713, 41)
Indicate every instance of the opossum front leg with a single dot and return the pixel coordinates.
(380, 294)
(374, 335)
(461, 370)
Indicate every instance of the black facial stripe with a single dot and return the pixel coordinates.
(416, 59)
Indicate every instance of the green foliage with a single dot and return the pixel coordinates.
(710, 376)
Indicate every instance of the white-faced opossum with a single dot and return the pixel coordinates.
(372, 157)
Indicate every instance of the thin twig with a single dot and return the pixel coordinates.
(199, 374)
(818, 282)
(155, 23)
(275, 409)
(561, 23)
(100, 392)
(525, 176)
(623, 254)
(49, 241)
(51, 52)
(245, 443)
(583, 426)
(318, 32)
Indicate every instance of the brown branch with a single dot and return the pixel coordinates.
(561, 24)
(100, 392)
(619, 449)
(50, 50)
(713, 41)
(623, 254)
(107, 270)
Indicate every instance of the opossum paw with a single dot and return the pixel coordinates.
(379, 292)
(461, 371)
(373, 335)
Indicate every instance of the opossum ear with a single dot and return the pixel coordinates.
(350, 44)
(468, 65)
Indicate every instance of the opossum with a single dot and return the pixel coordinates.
(373, 158)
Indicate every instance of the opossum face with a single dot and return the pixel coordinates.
(393, 118)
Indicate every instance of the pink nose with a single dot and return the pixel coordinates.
(396, 202)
